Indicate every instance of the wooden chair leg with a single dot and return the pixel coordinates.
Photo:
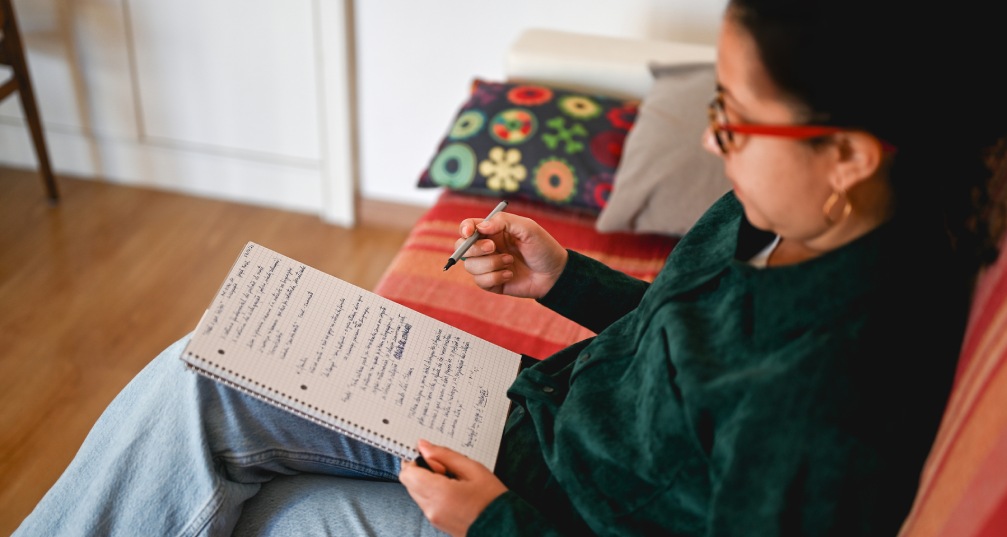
(16, 59)
(27, 95)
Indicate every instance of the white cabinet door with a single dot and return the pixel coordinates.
(246, 100)
(230, 74)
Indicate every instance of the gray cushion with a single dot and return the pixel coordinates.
(665, 179)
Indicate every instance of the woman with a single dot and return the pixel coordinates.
(784, 374)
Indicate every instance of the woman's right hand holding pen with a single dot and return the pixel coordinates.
(518, 257)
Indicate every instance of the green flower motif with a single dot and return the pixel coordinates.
(565, 136)
(503, 169)
(454, 167)
(467, 125)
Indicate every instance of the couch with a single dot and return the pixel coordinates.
(622, 188)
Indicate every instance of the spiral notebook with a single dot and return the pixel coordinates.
(351, 360)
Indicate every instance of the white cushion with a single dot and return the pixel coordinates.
(585, 62)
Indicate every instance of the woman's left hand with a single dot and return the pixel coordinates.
(451, 504)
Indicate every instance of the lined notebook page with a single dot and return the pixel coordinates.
(352, 360)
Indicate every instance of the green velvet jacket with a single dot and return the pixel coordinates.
(725, 399)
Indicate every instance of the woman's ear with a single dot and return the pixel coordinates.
(860, 156)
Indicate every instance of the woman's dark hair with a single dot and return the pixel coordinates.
(889, 68)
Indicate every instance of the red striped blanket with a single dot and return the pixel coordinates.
(963, 489)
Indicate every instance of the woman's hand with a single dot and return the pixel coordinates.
(516, 258)
(451, 504)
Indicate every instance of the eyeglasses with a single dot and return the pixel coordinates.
(723, 131)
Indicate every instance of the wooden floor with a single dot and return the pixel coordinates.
(95, 286)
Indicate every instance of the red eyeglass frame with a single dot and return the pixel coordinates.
(718, 125)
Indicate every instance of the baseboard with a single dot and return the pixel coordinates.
(370, 212)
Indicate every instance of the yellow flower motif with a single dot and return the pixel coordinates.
(580, 106)
(503, 169)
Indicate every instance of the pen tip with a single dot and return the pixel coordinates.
(448, 265)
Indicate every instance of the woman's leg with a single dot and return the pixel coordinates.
(178, 454)
(319, 505)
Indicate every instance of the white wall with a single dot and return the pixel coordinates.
(247, 100)
(415, 62)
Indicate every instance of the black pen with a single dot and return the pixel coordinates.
(472, 238)
(426, 465)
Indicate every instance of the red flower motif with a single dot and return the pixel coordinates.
(606, 147)
(529, 95)
(624, 116)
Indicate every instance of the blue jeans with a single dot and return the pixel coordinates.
(178, 454)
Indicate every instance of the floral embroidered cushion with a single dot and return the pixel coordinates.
(534, 142)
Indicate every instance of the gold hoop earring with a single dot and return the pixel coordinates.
(829, 209)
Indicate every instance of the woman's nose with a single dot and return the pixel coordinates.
(709, 142)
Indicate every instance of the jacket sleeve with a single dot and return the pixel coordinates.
(593, 295)
(509, 514)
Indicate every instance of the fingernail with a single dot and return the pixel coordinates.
(507, 259)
